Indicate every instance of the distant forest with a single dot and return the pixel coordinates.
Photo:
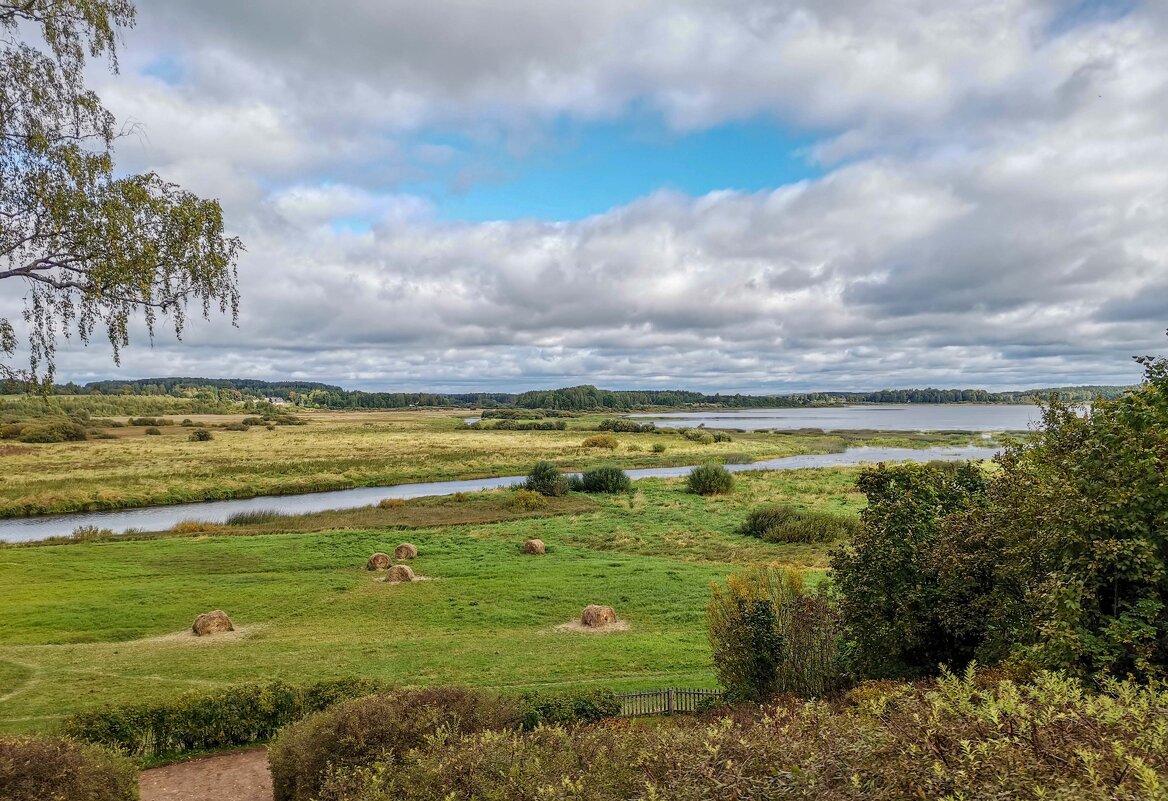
(581, 398)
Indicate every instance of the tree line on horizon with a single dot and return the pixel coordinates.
(579, 398)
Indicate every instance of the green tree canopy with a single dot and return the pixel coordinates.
(88, 248)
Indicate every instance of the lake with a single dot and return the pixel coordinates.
(159, 518)
(879, 417)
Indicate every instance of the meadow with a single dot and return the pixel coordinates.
(89, 623)
(123, 466)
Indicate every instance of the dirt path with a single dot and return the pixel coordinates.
(241, 776)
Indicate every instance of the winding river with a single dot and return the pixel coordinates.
(158, 518)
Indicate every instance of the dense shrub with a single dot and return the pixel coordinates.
(894, 607)
(153, 422)
(200, 721)
(600, 441)
(542, 709)
(201, 435)
(697, 435)
(384, 727)
(253, 421)
(769, 636)
(235, 427)
(786, 524)
(524, 500)
(546, 479)
(60, 769)
(58, 430)
(11, 430)
(153, 432)
(722, 436)
(515, 425)
(956, 739)
(658, 447)
(604, 478)
(710, 479)
(621, 425)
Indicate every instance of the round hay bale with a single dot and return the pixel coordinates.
(379, 561)
(407, 550)
(534, 547)
(212, 623)
(399, 574)
(596, 616)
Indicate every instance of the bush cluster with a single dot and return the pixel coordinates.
(48, 430)
(379, 727)
(202, 721)
(710, 479)
(546, 479)
(525, 500)
(770, 636)
(783, 523)
(201, 435)
(954, 739)
(516, 425)
(603, 478)
(153, 432)
(46, 768)
(326, 757)
(621, 425)
(153, 422)
(600, 441)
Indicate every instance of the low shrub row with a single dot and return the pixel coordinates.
(621, 425)
(52, 768)
(954, 739)
(517, 425)
(201, 721)
(786, 524)
(46, 431)
(312, 759)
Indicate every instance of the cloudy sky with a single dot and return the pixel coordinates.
(768, 196)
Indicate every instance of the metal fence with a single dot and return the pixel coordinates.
(665, 702)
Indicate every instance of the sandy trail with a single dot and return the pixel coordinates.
(242, 776)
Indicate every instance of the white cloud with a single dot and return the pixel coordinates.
(1002, 217)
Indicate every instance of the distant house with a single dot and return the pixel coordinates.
(277, 401)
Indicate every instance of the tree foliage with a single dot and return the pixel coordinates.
(769, 636)
(90, 249)
(1058, 558)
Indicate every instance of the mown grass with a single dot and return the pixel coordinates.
(96, 622)
(341, 450)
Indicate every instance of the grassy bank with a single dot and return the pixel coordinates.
(89, 623)
(339, 450)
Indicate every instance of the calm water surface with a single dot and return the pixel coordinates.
(882, 417)
(158, 518)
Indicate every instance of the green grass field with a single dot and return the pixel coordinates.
(90, 623)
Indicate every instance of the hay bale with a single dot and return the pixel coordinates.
(534, 547)
(407, 550)
(596, 616)
(379, 561)
(212, 623)
(399, 574)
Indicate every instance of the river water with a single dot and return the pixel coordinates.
(158, 518)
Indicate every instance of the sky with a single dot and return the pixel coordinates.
(735, 196)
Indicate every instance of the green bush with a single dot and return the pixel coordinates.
(546, 479)
(658, 447)
(564, 709)
(782, 523)
(203, 721)
(769, 636)
(524, 500)
(606, 441)
(379, 727)
(710, 479)
(153, 432)
(201, 435)
(956, 739)
(722, 436)
(697, 435)
(152, 422)
(621, 425)
(60, 430)
(235, 427)
(604, 478)
(60, 769)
